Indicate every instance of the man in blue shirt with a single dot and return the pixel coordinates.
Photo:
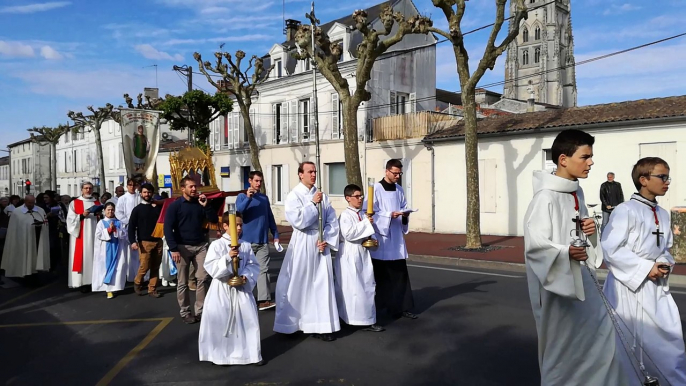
(186, 236)
(258, 220)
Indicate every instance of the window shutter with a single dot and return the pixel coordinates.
(285, 123)
(275, 132)
(335, 113)
(394, 101)
(241, 127)
(213, 129)
(310, 124)
(235, 127)
(293, 121)
(413, 102)
(285, 186)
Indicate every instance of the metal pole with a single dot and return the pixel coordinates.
(316, 123)
(189, 73)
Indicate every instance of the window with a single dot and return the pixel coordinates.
(548, 163)
(336, 117)
(277, 68)
(59, 190)
(398, 103)
(537, 55)
(277, 175)
(537, 33)
(66, 165)
(66, 138)
(336, 178)
(74, 160)
(278, 134)
(304, 115)
(525, 35)
(110, 186)
(340, 43)
(525, 57)
(231, 130)
(307, 65)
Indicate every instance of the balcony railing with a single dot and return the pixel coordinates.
(410, 125)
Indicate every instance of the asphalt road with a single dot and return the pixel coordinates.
(475, 327)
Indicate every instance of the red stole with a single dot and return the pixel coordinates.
(78, 249)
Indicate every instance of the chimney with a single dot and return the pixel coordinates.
(530, 105)
(291, 28)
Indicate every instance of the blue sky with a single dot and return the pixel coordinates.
(62, 55)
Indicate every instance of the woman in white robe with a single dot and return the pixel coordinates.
(230, 328)
(648, 312)
(109, 276)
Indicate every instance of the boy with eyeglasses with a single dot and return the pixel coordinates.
(355, 286)
(636, 245)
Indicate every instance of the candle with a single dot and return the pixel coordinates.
(233, 230)
(370, 195)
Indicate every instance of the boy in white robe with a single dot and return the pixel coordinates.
(636, 243)
(230, 328)
(353, 270)
(576, 337)
(109, 273)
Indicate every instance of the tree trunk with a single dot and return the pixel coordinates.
(350, 147)
(471, 150)
(98, 153)
(53, 167)
(254, 148)
(679, 232)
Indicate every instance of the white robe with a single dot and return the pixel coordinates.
(166, 265)
(100, 261)
(390, 231)
(353, 270)
(21, 257)
(230, 328)
(85, 277)
(305, 295)
(576, 337)
(122, 211)
(648, 309)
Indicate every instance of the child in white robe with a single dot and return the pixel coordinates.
(108, 263)
(230, 329)
(636, 244)
(576, 337)
(353, 270)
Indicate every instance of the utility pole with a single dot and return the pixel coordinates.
(187, 71)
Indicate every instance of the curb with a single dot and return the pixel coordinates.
(674, 281)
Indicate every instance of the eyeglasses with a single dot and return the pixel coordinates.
(357, 196)
(663, 177)
(397, 174)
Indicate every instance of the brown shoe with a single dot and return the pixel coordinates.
(192, 285)
(189, 319)
(154, 294)
(138, 289)
(265, 305)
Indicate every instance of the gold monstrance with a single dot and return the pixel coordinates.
(236, 280)
(370, 242)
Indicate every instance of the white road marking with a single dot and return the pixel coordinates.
(466, 271)
(678, 292)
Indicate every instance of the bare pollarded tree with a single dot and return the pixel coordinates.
(454, 11)
(92, 121)
(239, 84)
(326, 56)
(50, 136)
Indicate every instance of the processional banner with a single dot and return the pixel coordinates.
(141, 141)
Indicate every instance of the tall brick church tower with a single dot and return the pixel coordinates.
(540, 62)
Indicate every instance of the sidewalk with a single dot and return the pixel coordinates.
(508, 252)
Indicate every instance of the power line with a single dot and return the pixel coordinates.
(594, 59)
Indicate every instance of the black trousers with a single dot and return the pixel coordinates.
(393, 289)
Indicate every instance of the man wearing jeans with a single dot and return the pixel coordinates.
(186, 235)
(258, 220)
(141, 227)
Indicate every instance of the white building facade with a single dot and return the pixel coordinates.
(403, 81)
(29, 161)
(5, 176)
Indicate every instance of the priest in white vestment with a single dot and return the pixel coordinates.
(125, 205)
(391, 222)
(637, 285)
(353, 270)
(27, 244)
(576, 337)
(230, 328)
(81, 225)
(305, 296)
(109, 274)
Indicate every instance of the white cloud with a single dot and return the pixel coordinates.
(33, 8)
(16, 49)
(616, 9)
(50, 53)
(150, 52)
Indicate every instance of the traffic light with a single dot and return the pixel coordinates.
(28, 186)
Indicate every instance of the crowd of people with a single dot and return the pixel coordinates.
(105, 242)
